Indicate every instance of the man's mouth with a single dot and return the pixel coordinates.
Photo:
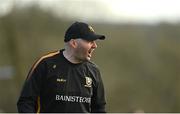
(90, 52)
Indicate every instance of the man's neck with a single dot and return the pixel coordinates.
(70, 57)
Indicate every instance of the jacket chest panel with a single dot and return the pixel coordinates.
(70, 82)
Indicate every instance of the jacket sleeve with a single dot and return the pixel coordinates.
(98, 99)
(29, 100)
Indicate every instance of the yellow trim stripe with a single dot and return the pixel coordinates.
(38, 104)
(38, 61)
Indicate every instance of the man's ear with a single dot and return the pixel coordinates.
(73, 43)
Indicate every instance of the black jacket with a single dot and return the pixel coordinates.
(56, 85)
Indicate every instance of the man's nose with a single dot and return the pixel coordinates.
(94, 44)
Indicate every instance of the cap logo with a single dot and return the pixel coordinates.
(90, 28)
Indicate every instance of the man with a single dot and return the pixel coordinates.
(66, 80)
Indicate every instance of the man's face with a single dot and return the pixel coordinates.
(84, 49)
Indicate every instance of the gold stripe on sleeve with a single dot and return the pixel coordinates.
(39, 60)
(38, 104)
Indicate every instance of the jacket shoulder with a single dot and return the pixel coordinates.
(42, 59)
(92, 64)
(49, 55)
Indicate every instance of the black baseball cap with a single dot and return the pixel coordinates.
(83, 31)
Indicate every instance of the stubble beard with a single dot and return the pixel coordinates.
(82, 57)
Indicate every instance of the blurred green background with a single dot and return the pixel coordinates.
(139, 63)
